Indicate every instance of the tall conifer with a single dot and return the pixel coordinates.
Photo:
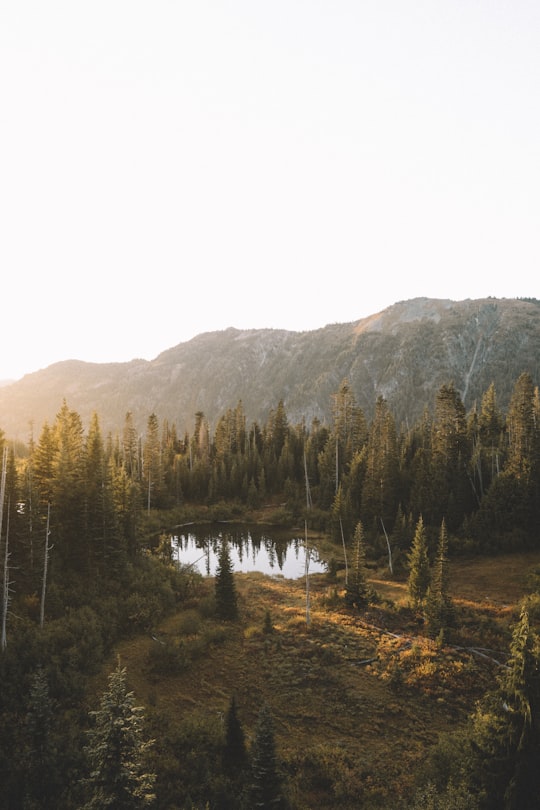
(357, 589)
(265, 785)
(234, 751)
(419, 573)
(439, 608)
(117, 751)
(506, 728)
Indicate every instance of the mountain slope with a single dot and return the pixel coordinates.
(404, 353)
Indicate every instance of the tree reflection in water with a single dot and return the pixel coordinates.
(270, 551)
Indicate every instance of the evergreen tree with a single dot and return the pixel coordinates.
(349, 427)
(522, 429)
(152, 464)
(130, 448)
(234, 751)
(68, 491)
(265, 785)
(487, 439)
(506, 729)
(380, 485)
(96, 493)
(341, 514)
(452, 492)
(225, 588)
(357, 589)
(42, 462)
(439, 608)
(117, 751)
(40, 757)
(419, 573)
(418, 454)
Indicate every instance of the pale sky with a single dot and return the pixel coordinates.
(169, 168)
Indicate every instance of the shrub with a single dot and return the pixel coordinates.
(168, 658)
(189, 623)
(328, 769)
(207, 606)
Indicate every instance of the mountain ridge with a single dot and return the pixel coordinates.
(404, 353)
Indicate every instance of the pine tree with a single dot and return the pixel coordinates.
(68, 491)
(152, 464)
(522, 428)
(117, 751)
(265, 785)
(96, 493)
(439, 608)
(506, 729)
(341, 514)
(452, 491)
(380, 485)
(419, 573)
(234, 751)
(488, 454)
(40, 758)
(357, 589)
(349, 427)
(130, 451)
(225, 588)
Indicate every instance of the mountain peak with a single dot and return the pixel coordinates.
(404, 353)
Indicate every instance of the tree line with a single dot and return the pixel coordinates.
(479, 471)
(75, 501)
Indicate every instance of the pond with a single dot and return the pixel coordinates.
(271, 551)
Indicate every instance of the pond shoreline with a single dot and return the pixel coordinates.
(254, 547)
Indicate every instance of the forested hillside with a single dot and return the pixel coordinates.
(86, 563)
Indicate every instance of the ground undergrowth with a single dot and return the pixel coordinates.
(358, 698)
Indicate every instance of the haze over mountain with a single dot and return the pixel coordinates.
(403, 353)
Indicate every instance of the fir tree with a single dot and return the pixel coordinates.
(117, 751)
(419, 573)
(234, 751)
(357, 589)
(225, 588)
(439, 608)
(506, 729)
(40, 756)
(265, 785)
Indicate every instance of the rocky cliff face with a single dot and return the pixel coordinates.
(404, 353)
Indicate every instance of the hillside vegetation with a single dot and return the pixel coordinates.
(359, 698)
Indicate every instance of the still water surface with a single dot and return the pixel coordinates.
(273, 552)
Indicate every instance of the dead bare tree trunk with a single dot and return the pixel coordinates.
(6, 583)
(307, 551)
(45, 568)
(344, 553)
(3, 489)
(5, 596)
(390, 566)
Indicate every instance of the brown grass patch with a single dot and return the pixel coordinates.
(369, 688)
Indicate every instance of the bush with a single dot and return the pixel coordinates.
(189, 623)
(328, 769)
(207, 606)
(142, 611)
(168, 658)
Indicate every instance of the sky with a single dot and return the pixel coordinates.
(175, 167)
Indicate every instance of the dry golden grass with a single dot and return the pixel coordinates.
(364, 688)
